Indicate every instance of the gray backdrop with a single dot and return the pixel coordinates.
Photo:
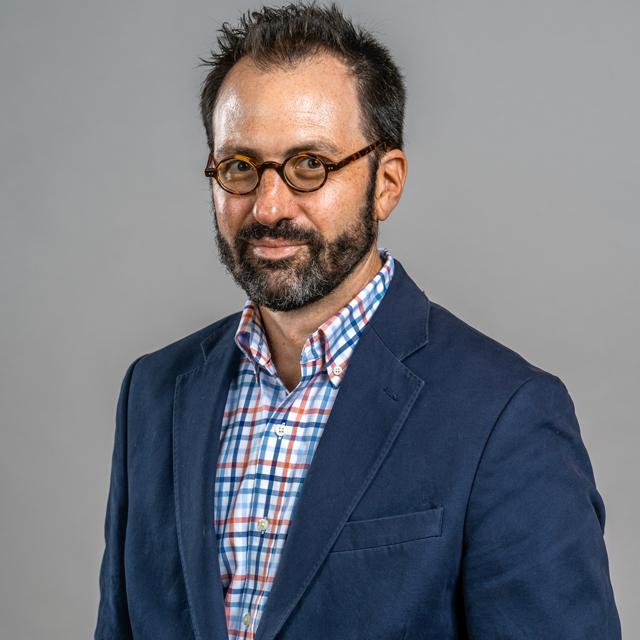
(520, 215)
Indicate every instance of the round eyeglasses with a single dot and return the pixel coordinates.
(303, 171)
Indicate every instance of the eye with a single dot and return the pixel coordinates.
(240, 166)
(310, 163)
(305, 172)
(304, 164)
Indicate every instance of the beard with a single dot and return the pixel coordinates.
(313, 272)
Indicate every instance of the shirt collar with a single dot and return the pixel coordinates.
(330, 346)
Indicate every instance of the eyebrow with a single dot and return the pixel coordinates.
(312, 146)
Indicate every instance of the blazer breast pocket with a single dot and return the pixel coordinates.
(378, 532)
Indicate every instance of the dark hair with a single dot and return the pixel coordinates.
(287, 35)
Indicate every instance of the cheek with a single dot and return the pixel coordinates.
(230, 211)
(337, 206)
(319, 209)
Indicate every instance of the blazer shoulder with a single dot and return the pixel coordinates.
(188, 352)
(472, 355)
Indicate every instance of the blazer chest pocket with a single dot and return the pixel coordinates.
(378, 532)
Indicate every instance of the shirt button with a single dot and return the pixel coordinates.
(281, 429)
(337, 370)
(246, 619)
(263, 524)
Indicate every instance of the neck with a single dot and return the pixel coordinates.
(287, 331)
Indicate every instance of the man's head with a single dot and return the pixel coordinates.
(302, 78)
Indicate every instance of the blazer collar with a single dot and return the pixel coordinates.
(402, 319)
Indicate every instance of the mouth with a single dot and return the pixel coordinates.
(274, 249)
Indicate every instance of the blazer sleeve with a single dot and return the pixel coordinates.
(113, 616)
(535, 563)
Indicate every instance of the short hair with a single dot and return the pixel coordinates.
(284, 36)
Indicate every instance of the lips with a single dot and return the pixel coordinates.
(273, 243)
(274, 249)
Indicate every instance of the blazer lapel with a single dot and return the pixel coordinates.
(375, 397)
(199, 401)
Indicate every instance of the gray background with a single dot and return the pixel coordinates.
(520, 215)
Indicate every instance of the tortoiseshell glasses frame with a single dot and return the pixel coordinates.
(249, 172)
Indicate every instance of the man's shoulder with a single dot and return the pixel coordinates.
(188, 352)
(450, 348)
(472, 357)
(471, 377)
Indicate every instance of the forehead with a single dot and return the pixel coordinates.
(274, 109)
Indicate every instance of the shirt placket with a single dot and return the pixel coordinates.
(265, 516)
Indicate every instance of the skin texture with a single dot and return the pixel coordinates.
(269, 114)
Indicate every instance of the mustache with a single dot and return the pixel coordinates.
(283, 230)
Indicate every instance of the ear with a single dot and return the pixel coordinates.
(390, 178)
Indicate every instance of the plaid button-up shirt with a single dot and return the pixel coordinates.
(268, 439)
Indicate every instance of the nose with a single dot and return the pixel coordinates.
(273, 199)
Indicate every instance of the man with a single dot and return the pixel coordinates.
(343, 459)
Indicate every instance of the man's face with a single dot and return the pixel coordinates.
(286, 248)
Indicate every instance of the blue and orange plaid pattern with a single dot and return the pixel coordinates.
(268, 439)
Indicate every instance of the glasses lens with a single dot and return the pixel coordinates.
(237, 175)
(305, 172)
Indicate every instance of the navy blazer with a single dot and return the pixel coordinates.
(450, 496)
